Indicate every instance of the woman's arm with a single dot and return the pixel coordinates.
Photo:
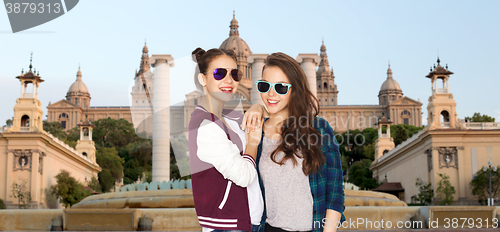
(334, 185)
(215, 148)
(254, 115)
(332, 220)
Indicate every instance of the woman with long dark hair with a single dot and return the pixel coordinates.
(298, 158)
(226, 191)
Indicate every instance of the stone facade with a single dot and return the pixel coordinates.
(27, 153)
(446, 145)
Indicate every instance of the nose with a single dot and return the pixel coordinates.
(228, 78)
(271, 91)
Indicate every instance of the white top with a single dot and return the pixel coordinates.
(289, 202)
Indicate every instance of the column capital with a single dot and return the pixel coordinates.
(156, 60)
(257, 57)
(304, 57)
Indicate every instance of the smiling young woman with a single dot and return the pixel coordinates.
(226, 191)
(301, 179)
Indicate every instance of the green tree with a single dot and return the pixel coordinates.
(361, 176)
(142, 150)
(49, 199)
(68, 190)
(21, 193)
(480, 185)
(8, 122)
(93, 183)
(2, 205)
(445, 190)
(399, 133)
(426, 193)
(112, 167)
(478, 117)
(113, 133)
(56, 129)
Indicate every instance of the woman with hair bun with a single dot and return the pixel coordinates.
(226, 190)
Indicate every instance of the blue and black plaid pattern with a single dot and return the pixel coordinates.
(326, 184)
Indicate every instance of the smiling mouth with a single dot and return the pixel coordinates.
(272, 102)
(226, 89)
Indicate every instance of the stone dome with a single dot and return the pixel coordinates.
(78, 86)
(235, 42)
(390, 85)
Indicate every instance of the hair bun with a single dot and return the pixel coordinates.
(197, 53)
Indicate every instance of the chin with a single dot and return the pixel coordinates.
(225, 97)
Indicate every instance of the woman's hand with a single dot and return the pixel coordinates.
(253, 117)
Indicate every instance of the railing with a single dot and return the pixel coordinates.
(27, 95)
(385, 135)
(85, 138)
(445, 124)
(441, 90)
(55, 139)
(172, 184)
(483, 125)
(25, 129)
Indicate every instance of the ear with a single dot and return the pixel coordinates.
(202, 79)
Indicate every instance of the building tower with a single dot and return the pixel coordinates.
(442, 106)
(28, 112)
(384, 142)
(240, 48)
(390, 90)
(78, 92)
(85, 145)
(327, 89)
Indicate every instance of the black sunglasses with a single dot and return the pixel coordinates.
(220, 73)
(279, 88)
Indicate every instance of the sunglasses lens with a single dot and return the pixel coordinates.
(281, 88)
(263, 87)
(236, 74)
(219, 73)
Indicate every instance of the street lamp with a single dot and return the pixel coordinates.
(490, 203)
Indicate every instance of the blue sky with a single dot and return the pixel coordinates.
(106, 38)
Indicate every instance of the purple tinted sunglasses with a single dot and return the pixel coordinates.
(220, 73)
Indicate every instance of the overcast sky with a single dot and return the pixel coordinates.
(106, 38)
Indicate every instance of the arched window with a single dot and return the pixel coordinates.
(86, 132)
(325, 85)
(406, 117)
(25, 121)
(84, 154)
(195, 102)
(445, 116)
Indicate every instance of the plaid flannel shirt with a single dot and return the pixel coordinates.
(326, 184)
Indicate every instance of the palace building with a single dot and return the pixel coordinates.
(392, 104)
(447, 145)
(32, 156)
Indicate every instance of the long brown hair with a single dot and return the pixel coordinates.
(303, 108)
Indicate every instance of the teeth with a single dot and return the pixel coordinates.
(226, 89)
(272, 102)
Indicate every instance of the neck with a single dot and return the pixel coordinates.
(217, 105)
(278, 117)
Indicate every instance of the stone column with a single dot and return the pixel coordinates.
(34, 180)
(462, 185)
(308, 62)
(256, 61)
(161, 117)
(8, 182)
